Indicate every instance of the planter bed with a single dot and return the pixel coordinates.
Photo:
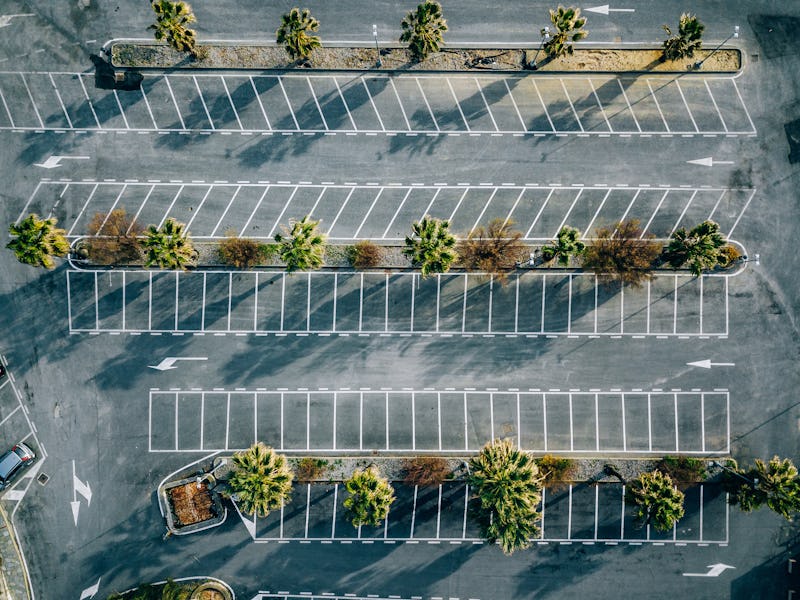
(190, 506)
(223, 56)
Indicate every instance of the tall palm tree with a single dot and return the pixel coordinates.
(656, 500)
(568, 25)
(168, 247)
(686, 41)
(261, 480)
(293, 33)
(775, 484)
(302, 247)
(171, 21)
(431, 246)
(37, 241)
(423, 29)
(370, 497)
(566, 244)
(508, 484)
(700, 247)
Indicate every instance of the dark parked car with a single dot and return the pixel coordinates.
(13, 462)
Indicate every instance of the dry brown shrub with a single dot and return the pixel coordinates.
(494, 249)
(365, 255)
(309, 469)
(557, 470)
(623, 253)
(118, 238)
(242, 253)
(425, 470)
(728, 255)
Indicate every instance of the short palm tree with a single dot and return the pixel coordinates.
(567, 243)
(700, 247)
(168, 247)
(301, 247)
(37, 241)
(423, 30)
(171, 21)
(656, 500)
(261, 480)
(370, 497)
(775, 484)
(508, 484)
(431, 246)
(569, 27)
(686, 41)
(294, 33)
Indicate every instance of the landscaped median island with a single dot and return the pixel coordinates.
(184, 588)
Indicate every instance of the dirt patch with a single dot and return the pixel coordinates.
(191, 503)
(265, 57)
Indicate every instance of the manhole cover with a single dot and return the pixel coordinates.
(43, 478)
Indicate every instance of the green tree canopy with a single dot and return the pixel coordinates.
(508, 484)
(686, 41)
(261, 479)
(294, 30)
(423, 30)
(431, 246)
(36, 241)
(655, 499)
(568, 28)
(567, 243)
(775, 484)
(301, 247)
(699, 248)
(370, 497)
(171, 21)
(168, 247)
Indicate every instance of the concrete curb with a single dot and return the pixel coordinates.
(15, 582)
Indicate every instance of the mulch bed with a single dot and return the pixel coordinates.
(191, 503)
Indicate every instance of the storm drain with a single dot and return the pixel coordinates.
(43, 478)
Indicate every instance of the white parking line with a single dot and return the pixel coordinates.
(121, 111)
(60, 101)
(33, 102)
(227, 208)
(230, 100)
(658, 106)
(174, 102)
(372, 102)
(203, 102)
(686, 104)
(260, 104)
(344, 103)
(8, 112)
(149, 110)
(425, 98)
(319, 108)
(400, 103)
(288, 104)
(486, 104)
(571, 105)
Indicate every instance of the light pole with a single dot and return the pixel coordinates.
(375, 35)
(545, 36)
(734, 34)
(756, 259)
(753, 483)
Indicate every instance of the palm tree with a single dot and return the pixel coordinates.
(37, 241)
(687, 40)
(168, 247)
(423, 29)
(566, 244)
(302, 247)
(494, 249)
(293, 33)
(568, 25)
(370, 497)
(700, 247)
(508, 484)
(623, 252)
(431, 246)
(261, 480)
(656, 500)
(170, 25)
(775, 484)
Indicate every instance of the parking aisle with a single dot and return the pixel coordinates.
(452, 421)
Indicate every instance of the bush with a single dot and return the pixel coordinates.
(365, 255)
(309, 469)
(623, 253)
(683, 469)
(426, 470)
(556, 469)
(728, 255)
(242, 253)
(494, 249)
(120, 241)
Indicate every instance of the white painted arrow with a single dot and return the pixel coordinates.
(714, 571)
(605, 9)
(707, 364)
(53, 161)
(5, 20)
(169, 362)
(90, 591)
(709, 161)
(78, 487)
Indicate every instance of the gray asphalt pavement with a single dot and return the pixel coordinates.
(92, 397)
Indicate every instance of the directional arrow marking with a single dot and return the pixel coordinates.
(707, 364)
(78, 487)
(605, 9)
(5, 20)
(709, 161)
(169, 362)
(90, 591)
(714, 571)
(54, 161)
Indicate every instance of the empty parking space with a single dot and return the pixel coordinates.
(638, 422)
(378, 103)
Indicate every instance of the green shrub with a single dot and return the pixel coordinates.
(683, 469)
(556, 469)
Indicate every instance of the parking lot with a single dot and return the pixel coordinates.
(385, 212)
(454, 421)
(583, 513)
(344, 302)
(377, 103)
